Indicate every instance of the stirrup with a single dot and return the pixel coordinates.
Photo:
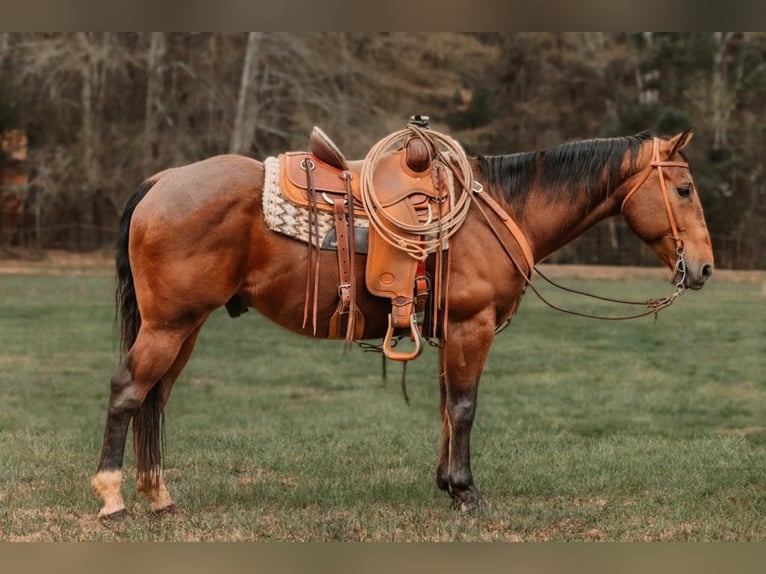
(388, 349)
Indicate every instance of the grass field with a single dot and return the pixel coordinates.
(586, 430)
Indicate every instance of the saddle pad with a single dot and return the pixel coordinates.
(283, 217)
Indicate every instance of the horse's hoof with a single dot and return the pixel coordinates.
(168, 510)
(479, 506)
(114, 517)
(476, 505)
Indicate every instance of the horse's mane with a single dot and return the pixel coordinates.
(563, 171)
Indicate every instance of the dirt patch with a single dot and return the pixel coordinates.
(56, 263)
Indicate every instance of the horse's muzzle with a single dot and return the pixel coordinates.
(695, 276)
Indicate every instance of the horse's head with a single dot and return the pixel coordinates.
(663, 208)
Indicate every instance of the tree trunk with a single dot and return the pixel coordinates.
(597, 44)
(212, 100)
(89, 75)
(647, 80)
(4, 45)
(243, 132)
(153, 93)
(87, 130)
(721, 99)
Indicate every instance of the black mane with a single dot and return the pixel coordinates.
(563, 171)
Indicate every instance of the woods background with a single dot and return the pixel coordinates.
(104, 110)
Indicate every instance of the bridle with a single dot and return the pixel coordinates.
(680, 266)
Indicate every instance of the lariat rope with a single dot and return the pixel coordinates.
(420, 239)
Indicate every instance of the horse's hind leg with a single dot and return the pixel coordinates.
(158, 495)
(108, 479)
(152, 355)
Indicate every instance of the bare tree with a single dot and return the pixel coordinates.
(5, 42)
(647, 80)
(720, 94)
(153, 94)
(243, 131)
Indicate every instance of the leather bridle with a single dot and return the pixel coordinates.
(659, 164)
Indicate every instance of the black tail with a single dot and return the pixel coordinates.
(148, 420)
(125, 295)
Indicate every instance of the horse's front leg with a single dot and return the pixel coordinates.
(461, 361)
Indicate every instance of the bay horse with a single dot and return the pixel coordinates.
(193, 238)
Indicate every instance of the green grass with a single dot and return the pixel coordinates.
(586, 430)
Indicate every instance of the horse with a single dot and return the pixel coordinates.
(193, 238)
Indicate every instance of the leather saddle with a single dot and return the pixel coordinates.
(411, 187)
(396, 184)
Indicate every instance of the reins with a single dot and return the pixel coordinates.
(654, 306)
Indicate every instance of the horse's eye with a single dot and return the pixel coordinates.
(684, 191)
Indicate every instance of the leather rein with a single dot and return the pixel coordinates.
(654, 306)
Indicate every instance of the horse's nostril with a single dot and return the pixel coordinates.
(707, 270)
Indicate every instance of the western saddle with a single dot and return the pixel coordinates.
(406, 188)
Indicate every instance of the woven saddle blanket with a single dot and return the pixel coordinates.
(285, 218)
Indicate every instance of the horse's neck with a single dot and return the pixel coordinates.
(551, 220)
(550, 223)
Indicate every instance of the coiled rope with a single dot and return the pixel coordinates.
(420, 239)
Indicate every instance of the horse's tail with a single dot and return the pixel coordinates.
(148, 420)
(125, 294)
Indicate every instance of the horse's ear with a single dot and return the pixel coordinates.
(680, 141)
